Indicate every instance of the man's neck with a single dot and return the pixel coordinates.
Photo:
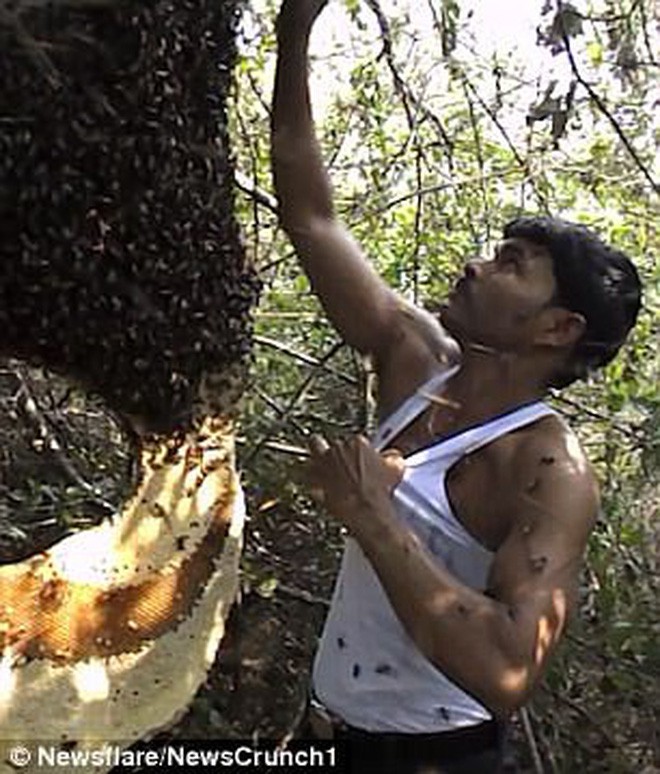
(489, 383)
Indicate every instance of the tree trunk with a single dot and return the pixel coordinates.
(122, 269)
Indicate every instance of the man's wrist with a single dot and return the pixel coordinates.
(297, 17)
(292, 46)
(367, 518)
(290, 32)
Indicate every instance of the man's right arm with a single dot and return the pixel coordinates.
(367, 313)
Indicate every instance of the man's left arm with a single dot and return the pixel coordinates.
(494, 645)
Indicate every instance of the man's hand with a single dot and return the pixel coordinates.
(298, 16)
(351, 476)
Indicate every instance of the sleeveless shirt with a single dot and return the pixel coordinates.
(367, 669)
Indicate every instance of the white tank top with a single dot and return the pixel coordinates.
(367, 670)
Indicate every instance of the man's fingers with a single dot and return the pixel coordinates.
(318, 445)
(393, 458)
(395, 466)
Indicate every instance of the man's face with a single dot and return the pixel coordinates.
(497, 303)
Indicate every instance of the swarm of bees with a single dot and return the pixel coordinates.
(122, 266)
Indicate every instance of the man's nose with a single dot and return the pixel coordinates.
(473, 268)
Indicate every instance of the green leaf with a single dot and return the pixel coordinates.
(595, 52)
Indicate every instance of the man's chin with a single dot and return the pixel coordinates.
(448, 319)
(451, 322)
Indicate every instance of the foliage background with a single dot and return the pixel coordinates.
(433, 142)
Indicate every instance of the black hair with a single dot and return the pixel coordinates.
(593, 279)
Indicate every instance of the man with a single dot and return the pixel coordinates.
(467, 533)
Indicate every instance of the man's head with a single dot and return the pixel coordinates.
(553, 288)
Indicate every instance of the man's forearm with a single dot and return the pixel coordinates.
(301, 182)
(366, 312)
(461, 631)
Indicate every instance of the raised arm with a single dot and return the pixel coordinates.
(367, 313)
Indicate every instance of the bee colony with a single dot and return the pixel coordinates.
(123, 270)
(121, 265)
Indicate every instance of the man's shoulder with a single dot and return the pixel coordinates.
(552, 438)
(551, 464)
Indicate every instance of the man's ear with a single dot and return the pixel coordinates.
(560, 327)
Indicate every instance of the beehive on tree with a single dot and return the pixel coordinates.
(122, 268)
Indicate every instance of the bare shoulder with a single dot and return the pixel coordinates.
(552, 469)
(419, 347)
(553, 508)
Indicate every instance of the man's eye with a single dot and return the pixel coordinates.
(507, 259)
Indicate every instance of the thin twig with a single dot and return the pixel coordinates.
(610, 18)
(547, 746)
(282, 412)
(271, 266)
(287, 410)
(467, 181)
(636, 434)
(251, 185)
(300, 316)
(417, 230)
(334, 156)
(516, 154)
(283, 448)
(304, 358)
(561, 697)
(440, 401)
(29, 404)
(531, 741)
(480, 162)
(301, 594)
(243, 183)
(401, 87)
(265, 106)
(645, 32)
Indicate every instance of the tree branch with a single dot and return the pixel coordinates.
(243, 183)
(600, 104)
(480, 160)
(516, 153)
(633, 433)
(401, 87)
(28, 403)
(466, 181)
(645, 31)
(304, 358)
(286, 410)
